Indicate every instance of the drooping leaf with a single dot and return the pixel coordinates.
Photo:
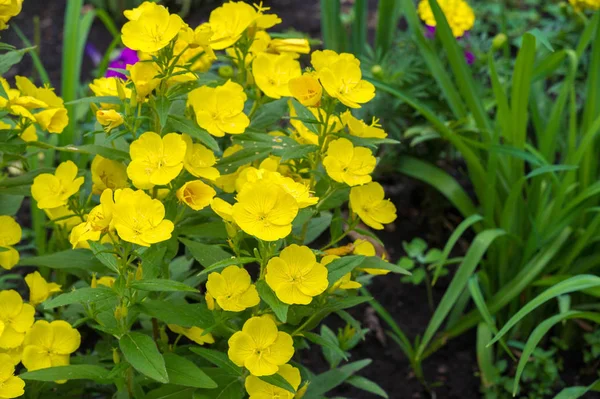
(141, 352)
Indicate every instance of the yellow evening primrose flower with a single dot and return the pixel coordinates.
(11, 386)
(49, 345)
(196, 194)
(139, 219)
(229, 22)
(102, 87)
(199, 160)
(193, 334)
(153, 29)
(295, 275)
(10, 235)
(63, 217)
(232, 289)
(344, 283)
(258, 389)
(345, 163)
(107, 173)
(98, 221)
(298, 46)
(155, 160)
(343, 80)
(134, 14)
(359, 128)
(369, 203)
(265, 210)
(364, 247)
(220, 109)
(54, 190)
(9, 9)
(260, 347)
(109, 119)
(227, 181)
(306, 89)
(16, 319)
(322, 59)
(53, 118)
(459, 14)
(272, 73)
(143, 75)
(106, 281)
(39, 288)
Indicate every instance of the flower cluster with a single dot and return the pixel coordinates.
(459, 14)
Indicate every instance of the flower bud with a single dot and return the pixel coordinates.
(94, 282)
(306, 89)
(377, 71)
(109, 119)
(302, 391)
(300, 46)
(115, 355)
(121, 312)
(225, 71)
(139, 273)
(499, 41)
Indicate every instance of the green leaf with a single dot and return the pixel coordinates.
(181, 371)
(317, 339)
(577, 392)
(323, 383)
(297, 152)
(70, 259)
(219, 359)
(268, 115)
(230, 164)
(104, 255)
(335, 200)
(10, 58)
(365, 384)
(375, 262)
(171, 392)
(317, 226)
(183, 125)
(106, 152)
(307, 118)
(205, 254)
(278, 381)
(266, 294)
(161, 285)
(141, 352)
(182, 314)
(152, 260)
(72, 372)
(162, 106)
(82, 296)
(227, 262)
(338, 268)
(542, 37)
(10, 204)
(485, 356)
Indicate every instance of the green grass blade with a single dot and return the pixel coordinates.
(573, 284)
(37, 62)
(388, 12)
(108, 22)
(485, 357)
(331, 25)
(358, 34)
(472, 259)
(578, 392)
(588, 33)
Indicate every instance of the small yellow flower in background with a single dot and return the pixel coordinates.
(152, 30)
(143, 75)
(139, 219)
(102, 87)
(585, 4)
(258, 389)
(52, 191)
(49, 345)
(364, 247)
(98, 221)
(53, 118)
(220, 109)
(344, 283)
(322, 59)
(16, 319)
(459, 14)
(232, 289)
(109, 119)
(260, 347)
(265, 210)
(306, 89)
(299, 46)
(106, 281)
(229, 22)
(10, 385)
(9, 9)
(369, 203)
(359, 128)
(39, 288)
(273, 72)
(296, 276)
(196, 194)
(222, 208)
(199, 160)
(60, 217)
(194, 334)
(342, 79)
(155, 160)
(10, 234)
(107, 173)
(345, 163)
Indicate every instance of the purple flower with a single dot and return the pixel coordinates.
(470, 57)
(429, 31)
(126, 57)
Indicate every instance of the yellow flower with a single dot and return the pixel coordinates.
(299, 46)
(322, 59)
(10, 385)
(272, 73)
(342, 79)
(10, 234)
(460, 16)
(9, 9)
(14, 354)
(227, 182)
(152, 30)
(52, 191)
(106, 281)
(134, 14)
(344, 283)
(53, 120)
(194, 334)
(359, 128)
(29, 134)
(54, 117)
(232, 289)
(49, 344)
(155, 160)
(107, 173)
(296, 276)
(369, 204)
(345, 163)
(258, 389)
(223, 209)
(98, 221)
(265, 211)
(220, 109)
(260, 347)
(39, 288)
(229, 22)
(196, 194)
(108, 87)
(16, 319)
(143, 75)
(140, 219)
(199, 160)
(364, 247)
(62, 216)
(306, 89)
(109, 119)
